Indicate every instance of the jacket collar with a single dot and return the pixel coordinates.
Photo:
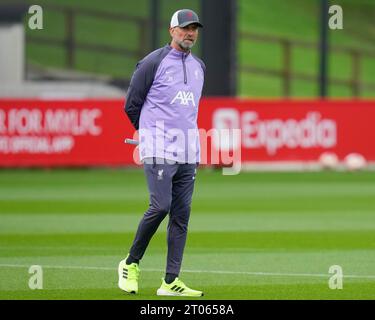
(177, 53)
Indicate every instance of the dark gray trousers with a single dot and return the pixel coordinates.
(171, 188)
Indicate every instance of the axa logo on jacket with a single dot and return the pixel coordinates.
(184, 97)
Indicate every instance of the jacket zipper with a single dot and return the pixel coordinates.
(184, 66)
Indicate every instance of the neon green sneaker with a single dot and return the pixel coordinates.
(128, 275)
(177, 288)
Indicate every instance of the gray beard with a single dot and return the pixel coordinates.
(185, 46)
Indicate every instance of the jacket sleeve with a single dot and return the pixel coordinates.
(140, 84)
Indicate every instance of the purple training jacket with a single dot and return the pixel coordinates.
(162, 103)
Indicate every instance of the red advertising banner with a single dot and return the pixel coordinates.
(92, 132)
(64, 133)
(294, 130)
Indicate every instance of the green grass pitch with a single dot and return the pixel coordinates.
(251, 236)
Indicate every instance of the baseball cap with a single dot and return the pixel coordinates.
(184, 17)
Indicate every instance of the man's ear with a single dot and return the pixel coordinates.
(171, 31)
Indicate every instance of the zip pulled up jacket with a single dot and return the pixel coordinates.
(162, 103)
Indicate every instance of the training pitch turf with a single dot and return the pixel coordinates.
(251, 236)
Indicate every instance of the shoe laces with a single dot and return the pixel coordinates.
(133, 271)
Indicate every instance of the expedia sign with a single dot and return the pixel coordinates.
(312, 131)
(291, 130)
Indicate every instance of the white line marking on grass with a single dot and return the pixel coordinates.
(271, 274)
(56, 267)
(276, 274)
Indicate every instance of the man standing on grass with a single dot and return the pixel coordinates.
(162, 103)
